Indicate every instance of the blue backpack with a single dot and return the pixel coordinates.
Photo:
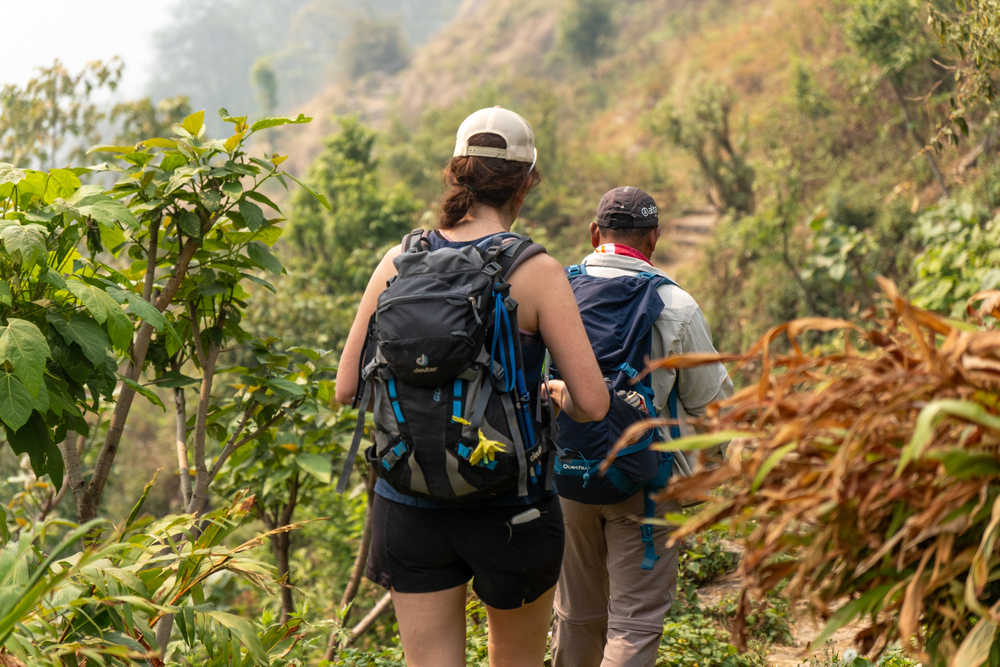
(618, 314)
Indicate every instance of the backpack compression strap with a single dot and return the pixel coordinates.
(359, 429)
(416, 240)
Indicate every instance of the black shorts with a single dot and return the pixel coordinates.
(423, 550)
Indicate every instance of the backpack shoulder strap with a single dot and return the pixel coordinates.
(512, 250)
(416, 240)
(659, 279)
(524, 251)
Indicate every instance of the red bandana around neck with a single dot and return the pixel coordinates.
(620, 249)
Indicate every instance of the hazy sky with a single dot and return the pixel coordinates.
(36, 32)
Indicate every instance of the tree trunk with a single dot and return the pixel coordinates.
(140, 346)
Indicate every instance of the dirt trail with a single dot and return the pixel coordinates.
(803, 626)
(682, 238)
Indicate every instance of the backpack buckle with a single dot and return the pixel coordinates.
(492, 269)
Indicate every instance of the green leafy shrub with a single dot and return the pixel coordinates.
(705, 558)
(766, 621)
(693, 640)
(850, 658)
(586, 27)
(104, 602)
(961, 255)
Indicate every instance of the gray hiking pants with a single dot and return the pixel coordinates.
(608, 611)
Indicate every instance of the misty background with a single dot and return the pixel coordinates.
(211, 52)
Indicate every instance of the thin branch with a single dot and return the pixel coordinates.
(368, 621)
(180, 427)
(915, 133)
(293, 499)
(150, 278)
(234, 444)
(360, 560)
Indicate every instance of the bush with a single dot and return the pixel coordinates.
(705, 559)
(869, 478)
(586, 27)
(374, 46)
(692, 639)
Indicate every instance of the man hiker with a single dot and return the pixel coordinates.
(618, 579)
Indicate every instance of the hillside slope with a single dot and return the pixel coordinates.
(652, 50)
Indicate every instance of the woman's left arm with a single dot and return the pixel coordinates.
(350, 358)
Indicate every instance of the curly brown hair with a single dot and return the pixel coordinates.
(484, 180)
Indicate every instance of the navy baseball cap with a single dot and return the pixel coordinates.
(627, 207)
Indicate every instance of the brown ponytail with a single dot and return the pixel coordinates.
(484, 180)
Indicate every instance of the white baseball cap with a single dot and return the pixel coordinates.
(504, 123)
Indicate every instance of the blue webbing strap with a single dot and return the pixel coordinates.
(675, 428)
(662, 477)
(650, 558)
(514, 381)
(456, 399)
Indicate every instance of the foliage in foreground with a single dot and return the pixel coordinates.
(870, 480)
(103, 603)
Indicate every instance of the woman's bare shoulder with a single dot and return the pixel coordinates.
(539, 267)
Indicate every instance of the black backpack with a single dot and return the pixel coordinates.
(442, 363)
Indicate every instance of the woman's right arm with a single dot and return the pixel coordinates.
(350, 358)
(562, 330)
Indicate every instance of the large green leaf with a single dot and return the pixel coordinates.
(321, 198)
(283, 386)
(91, 202)
(25, 242)
(194, 123)
(10, 174)
(314, 464)
(931, 415)
(850, 611)
(24, 346)
(139, 306)
(263, 258)
(148, 393)
(61, 183)
(15, 402)
(242, 629)
(33, 439)
(251, 214)
(189, 223)
(6, 297)
(105, 310)
(86, 333)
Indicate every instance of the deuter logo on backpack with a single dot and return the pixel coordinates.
(452, 411)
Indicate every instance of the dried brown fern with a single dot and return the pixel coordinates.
(868, 477)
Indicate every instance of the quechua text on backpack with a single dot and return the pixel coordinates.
(443, 371)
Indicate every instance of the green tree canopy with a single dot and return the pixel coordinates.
(342, 244)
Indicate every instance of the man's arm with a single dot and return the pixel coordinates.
(701, 385)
